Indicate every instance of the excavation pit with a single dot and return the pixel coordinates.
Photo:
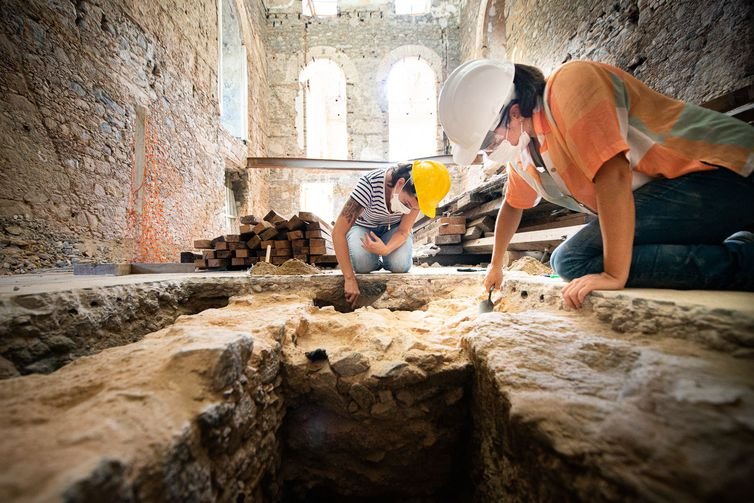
(633, 397)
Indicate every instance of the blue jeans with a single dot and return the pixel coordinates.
(363, 261)
(680, 240)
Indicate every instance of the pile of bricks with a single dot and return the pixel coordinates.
(274, 239)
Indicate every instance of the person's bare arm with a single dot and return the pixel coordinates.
(376, 245)
(615, 204)
(348, 215)
(508, 219)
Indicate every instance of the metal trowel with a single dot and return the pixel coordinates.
(486, 305)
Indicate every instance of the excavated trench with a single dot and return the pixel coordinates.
(283, 393)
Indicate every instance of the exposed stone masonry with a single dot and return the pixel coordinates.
(273, 397)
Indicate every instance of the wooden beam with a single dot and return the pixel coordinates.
(484, 245)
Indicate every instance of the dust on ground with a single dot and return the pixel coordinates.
(289, 267)
(529, 265)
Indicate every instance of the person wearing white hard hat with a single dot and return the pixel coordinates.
(671, 183)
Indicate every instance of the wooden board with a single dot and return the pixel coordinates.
(203, 244)
(452, 229)
(472, 233)
(273, 218)
(101, 269)
(254, 243)
(293, 235)
(232, 238)
(450, 239)
(249, 219)
(486, 223)
(261, 227)
(268, 234)
(139, 268)
(521, 239)
(221, 245)
(295, 223)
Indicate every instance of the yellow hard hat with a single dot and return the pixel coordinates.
(432, 183)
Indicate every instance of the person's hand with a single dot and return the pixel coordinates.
(352, 292)
(373, 244)
(494, 278)
(576, 291)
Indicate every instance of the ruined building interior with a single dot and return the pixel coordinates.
(142, 358)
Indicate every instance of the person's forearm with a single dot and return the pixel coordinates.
(396, 241)
(341, 252)
(615, 203)
(341, 247)
(506, 226)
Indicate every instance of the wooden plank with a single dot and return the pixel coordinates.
(238, 262)
(264, 244)
(261, 227)
(254, 242)
(452, 229)
(472, 233)
(203, 244)
(273, 218)
(249, 219)
(221, 245)
(311, 218)
(450, 250)
(245, 229)
(80, 269)
(450, 239)
(240, 245)
(232, 238)
(326, 260)
(293, 235)
(484, 245)
(242, 253)
(574, 219)
(317, 234)
(268, 234)
(486, 223)
(295, 223)
(282, 252)
(215, 263)
(223, 254)
(208, 254)
(200, 264)
(139, 268)
(452, 220)
(490, 208)
(283, 244)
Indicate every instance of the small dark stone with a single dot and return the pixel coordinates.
(316, 355)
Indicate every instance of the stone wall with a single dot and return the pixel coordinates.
(694, 50)
(75, 78)
(365, 39)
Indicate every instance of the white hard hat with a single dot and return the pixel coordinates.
(470, 104)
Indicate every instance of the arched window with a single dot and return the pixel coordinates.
(233, 78)
(324, 86)
(412, 7)
(412, 104)
(319, 7)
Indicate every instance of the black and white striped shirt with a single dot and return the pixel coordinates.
(370, 194)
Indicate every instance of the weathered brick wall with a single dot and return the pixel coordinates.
(71, 76)
(365, 40)
(691, 50)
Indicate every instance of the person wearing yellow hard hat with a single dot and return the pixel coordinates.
(373, 229)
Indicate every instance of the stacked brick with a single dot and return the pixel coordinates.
(274, 239)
